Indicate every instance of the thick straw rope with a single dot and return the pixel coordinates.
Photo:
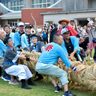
(86, 75)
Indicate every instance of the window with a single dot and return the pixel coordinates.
(92, 4)
(14, 4)
(41, 3)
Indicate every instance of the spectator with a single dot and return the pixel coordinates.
(91, 30)
(37, 46)
(45, 36)
(26, 38)
(65, 23)
(39, 34)
(2, 49)
(17, 35)
(7, 29)
(84, 38)
(53, 31)
(92, 49)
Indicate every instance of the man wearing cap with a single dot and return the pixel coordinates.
(12, 68)
(17, 35)
(70, 44)
(65, 23)
(92, 49)
(26, 38)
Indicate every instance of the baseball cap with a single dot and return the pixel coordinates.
(20, 24)
(28, 26)
(64, 30)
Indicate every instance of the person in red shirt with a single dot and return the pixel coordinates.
(65, 24)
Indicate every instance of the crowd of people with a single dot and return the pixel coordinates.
(56, 44)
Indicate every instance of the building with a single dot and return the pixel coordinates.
(15, 6)
(78, 10)
(34, 16)
(71, 9)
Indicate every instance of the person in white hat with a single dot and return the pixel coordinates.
(20, 24)
(17, 35)
(26, 38)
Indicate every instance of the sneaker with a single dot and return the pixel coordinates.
(5, 79)
(57, 89)
(68, 94)
(13, 83)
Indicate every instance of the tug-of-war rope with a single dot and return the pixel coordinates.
(85, 78)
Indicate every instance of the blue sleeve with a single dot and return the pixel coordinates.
(16, 39)
(63, 56)
(12, 36)
(75, 42)
(3, 47)
(23, 44)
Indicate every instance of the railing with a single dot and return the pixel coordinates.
(4, 9)
(53, 5)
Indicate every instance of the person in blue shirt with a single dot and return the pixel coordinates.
(26, 38)
(48, 59)
(71, 45)
(2, 49)
(36, 46)
(7, 29)
(45, 36)
(17, 35)
(2, 45)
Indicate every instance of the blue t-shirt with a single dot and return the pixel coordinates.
(2, 49)
(52, 53)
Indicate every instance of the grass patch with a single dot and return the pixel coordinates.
(41, 89)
